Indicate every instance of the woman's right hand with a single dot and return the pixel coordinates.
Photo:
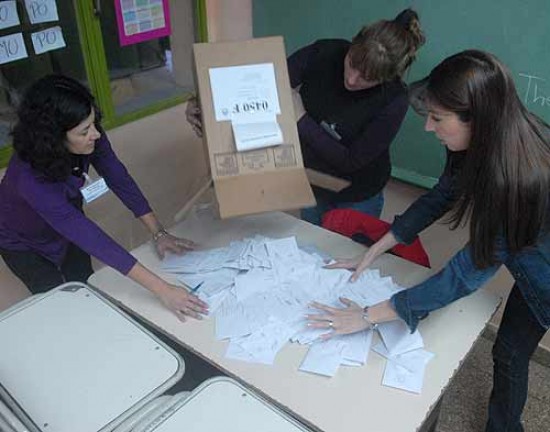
(194, 116)
(182, 303)
(176, 298)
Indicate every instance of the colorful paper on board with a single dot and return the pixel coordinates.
(142, 20)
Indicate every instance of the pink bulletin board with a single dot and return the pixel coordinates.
(141, 20)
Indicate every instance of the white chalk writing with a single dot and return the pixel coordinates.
(534, 93)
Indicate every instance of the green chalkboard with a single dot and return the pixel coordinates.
(517, 31)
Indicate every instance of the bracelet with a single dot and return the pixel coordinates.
(159, 234)
(372, 325)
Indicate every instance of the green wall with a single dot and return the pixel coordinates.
(517, 31)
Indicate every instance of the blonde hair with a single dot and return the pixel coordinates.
(383, 51)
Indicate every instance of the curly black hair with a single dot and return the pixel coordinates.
(51, 106)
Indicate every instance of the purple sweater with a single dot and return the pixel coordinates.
(38, 215)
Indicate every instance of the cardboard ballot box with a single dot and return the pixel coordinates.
(236, 94)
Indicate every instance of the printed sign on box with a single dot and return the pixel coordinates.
(263, 179)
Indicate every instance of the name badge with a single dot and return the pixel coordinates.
(94, 190)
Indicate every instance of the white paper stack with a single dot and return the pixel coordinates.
(260, 290)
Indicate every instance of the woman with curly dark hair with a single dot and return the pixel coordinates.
(45, 238)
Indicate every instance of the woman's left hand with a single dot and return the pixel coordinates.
(173, 244)
(340, 321)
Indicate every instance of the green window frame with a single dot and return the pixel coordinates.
(95, 65)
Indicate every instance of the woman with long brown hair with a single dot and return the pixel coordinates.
(497, 178)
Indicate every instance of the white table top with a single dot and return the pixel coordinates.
(354, 399)
(73, 362)
(212, 407)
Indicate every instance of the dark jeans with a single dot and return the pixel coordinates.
(41, 275)
(517, 339)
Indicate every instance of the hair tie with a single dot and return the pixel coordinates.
(405, 17)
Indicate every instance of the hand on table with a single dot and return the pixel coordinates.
(341, 321)
(359, 264)
(170, 243)
(194, 116)
(183, 303)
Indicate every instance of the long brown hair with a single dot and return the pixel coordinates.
(505, 180)
(384, 50)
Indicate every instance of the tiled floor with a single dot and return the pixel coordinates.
(464, 407)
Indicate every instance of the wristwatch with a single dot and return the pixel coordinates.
(372, 325)
(159, 234)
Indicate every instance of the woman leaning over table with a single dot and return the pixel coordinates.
(497, 177)
(45, 237)
(349, 102)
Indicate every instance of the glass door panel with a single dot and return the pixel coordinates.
(148, 72)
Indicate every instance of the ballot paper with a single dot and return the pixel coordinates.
(253, 133)
(324, 358)
(260, 290)
(398, 339)
(404, 371)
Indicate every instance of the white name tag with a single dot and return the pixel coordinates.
(94, 190)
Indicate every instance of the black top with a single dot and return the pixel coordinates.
(362, 123)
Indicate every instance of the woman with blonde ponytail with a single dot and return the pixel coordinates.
(349, 101)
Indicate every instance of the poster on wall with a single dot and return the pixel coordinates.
(48, 40)
(8, 14)
(12, 47)
(141, 20)
(42, 11)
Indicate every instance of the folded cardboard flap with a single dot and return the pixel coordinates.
(262, 192)
(255, 181)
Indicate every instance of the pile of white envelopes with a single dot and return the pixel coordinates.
(260, 290)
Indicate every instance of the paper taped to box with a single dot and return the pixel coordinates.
(249, 127)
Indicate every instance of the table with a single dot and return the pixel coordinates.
(211, 407)
(352, 400)
(71, 362)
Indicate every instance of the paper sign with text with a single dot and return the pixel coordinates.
(8, 14)
(41, 11)
(48, 40)
(12, 47)
(247, 90)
